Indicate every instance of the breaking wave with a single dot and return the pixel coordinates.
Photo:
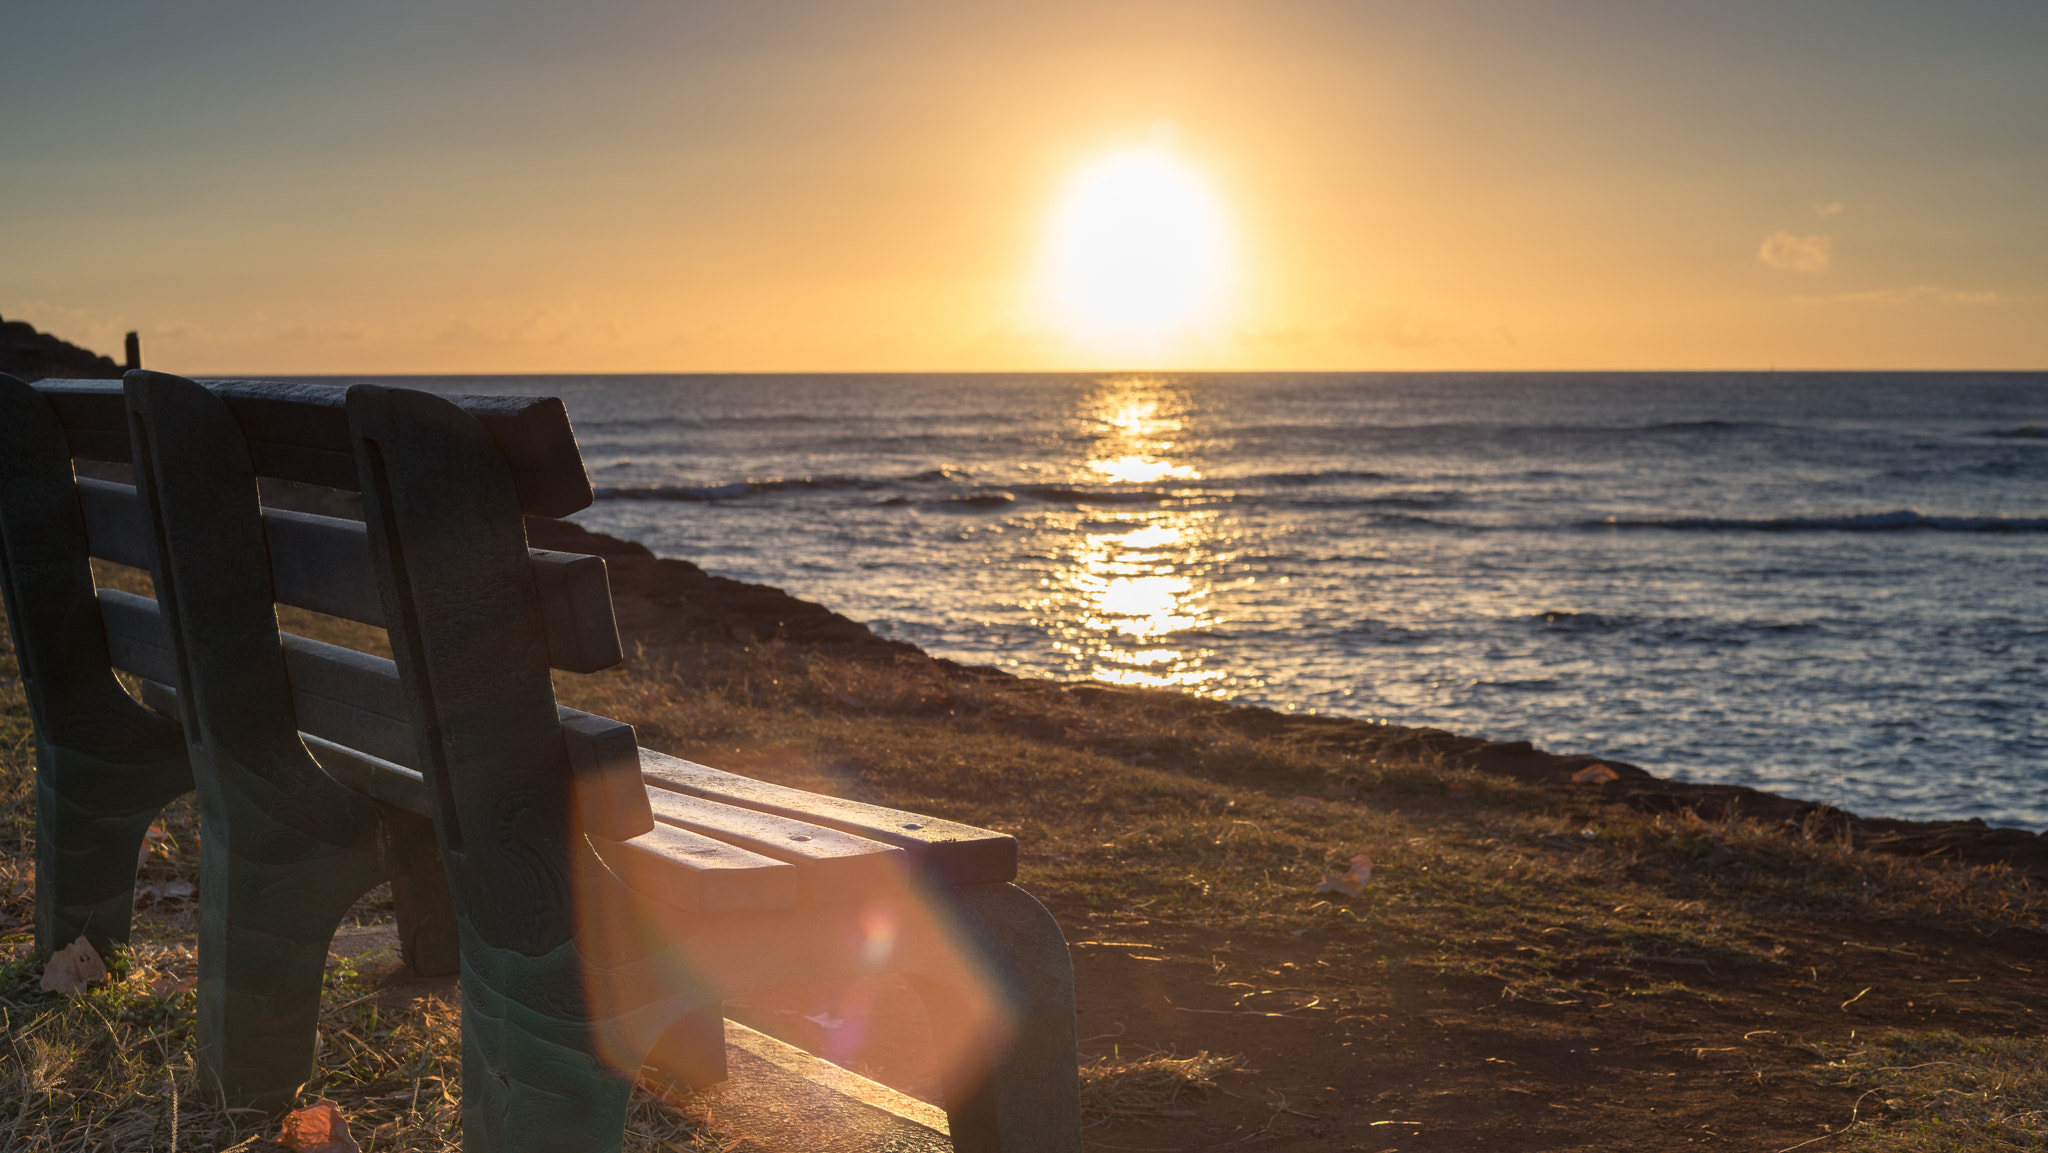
(1894, 521)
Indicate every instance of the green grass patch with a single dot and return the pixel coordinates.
(1939, 1092)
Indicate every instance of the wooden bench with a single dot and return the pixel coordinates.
(607, 896)
(291, 854)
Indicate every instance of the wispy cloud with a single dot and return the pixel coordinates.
(1271, 334)
(544, 326)
(1386, 324)
(1827, 208)
(329, 332)
(1797, 253)
(1917, 294)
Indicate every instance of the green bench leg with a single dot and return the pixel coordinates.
(531, 1080)
(1018, 1092)
(287, 849)
(429, 939)
(272, 897)
(91, 816)
(105, 766)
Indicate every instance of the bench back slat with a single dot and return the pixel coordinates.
(348, 698)
(373, 777)
(300, 432)
(322, 563)
(137, 640)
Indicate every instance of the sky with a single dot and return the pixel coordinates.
(285, 188)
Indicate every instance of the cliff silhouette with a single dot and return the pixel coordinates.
(34, 356)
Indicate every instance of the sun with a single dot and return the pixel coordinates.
(1138, 251)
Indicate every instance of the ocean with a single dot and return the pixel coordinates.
(1828, 585)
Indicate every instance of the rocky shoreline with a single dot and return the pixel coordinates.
(34, 356)
(664, 602)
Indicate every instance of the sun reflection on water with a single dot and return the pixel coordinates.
(1139, 470)
(1131, 600)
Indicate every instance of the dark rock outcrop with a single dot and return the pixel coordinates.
(34, 356)
(661, 601)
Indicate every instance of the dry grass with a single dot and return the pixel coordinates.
(1226, 824)
(1937, 1092)
(1127, 805)
(113, 1069)
(1149, 1085)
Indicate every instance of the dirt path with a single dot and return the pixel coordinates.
(1343, 1051)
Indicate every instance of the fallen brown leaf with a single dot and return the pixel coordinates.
(1351, 883)
(73, 969)
(318, 1128)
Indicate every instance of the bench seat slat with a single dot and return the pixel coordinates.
(836, 865)
(322, 563)
(947, 852)
(698, 874)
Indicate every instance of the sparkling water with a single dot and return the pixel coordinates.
(1826, 585)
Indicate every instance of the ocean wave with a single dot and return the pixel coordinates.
(1308, 478)
(1063, 494)
(639, 426)
(1705, 426)
(1573, 620)
(1894, 521)
(1410, 518)
(734, 489)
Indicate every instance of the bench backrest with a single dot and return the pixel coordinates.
(300, 432)
(348, 704)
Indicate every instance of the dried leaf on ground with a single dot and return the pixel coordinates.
(152, 842)
(73, 969)
(170, 985)
(172, 890)
(1349, 884)
(318, 1128)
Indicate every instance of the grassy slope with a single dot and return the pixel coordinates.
(1502, 912)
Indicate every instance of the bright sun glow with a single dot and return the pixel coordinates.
(1139, 252)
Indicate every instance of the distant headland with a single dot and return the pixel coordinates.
(34, 356)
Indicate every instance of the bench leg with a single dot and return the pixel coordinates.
(1019, 1092)
(271, 897)
(428, 940)
(90, 819)
(531, 1082)
(693, 1050)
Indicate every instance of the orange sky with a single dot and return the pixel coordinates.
(682, 187)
